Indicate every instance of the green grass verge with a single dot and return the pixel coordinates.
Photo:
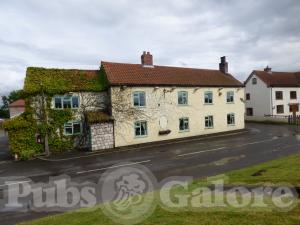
(277, 171)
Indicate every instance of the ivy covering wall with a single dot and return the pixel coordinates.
(39, 118)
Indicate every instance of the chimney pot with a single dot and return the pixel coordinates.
(268, 69)
(223, 66)
(147, 59)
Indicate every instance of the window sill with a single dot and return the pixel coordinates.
(70, 135)
(230, 103)
(230, 125)
(207, 128)
(182, 105)
(142, 136)
(183, 131)
(140, 107)
(208, 103)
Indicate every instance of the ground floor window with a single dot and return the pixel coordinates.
(249, 111)
(140, 128)
(209, 122)
(184, 124)
(72, 128)
(280, 109)
(230, 119)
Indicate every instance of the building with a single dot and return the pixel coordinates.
(272, 94)
(16, 108)
(125, 104)
(173, 102)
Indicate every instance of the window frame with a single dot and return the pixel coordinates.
(230, 92)
(212, 98)
(248, 110)
(231, 117)
(277, 109)
(140, 127)
(70, 124)
(210, 121)
(68, 98)
(248, 96)
(186, 97)
(295, 97)
(254, 81)
(276, 96)
(185, 121)
(138, 93)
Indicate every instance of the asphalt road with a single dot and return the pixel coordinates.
(198, 158)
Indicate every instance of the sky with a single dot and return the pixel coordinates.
(191, 33)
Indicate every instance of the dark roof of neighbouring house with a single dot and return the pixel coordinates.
(139, 75)
(278, 79)
(55, 81)
(17, 104)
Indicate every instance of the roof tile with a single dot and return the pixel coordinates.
(136, 74)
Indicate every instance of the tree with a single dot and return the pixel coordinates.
(6, 100)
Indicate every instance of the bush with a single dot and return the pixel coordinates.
(22, 139)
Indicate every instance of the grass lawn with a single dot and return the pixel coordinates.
(277, 171)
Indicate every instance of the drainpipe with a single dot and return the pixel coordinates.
(271, 101)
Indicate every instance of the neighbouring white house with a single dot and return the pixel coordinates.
(270, 94)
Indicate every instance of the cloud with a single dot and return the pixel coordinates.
(191, 33)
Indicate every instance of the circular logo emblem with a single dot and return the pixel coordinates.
(127, 193)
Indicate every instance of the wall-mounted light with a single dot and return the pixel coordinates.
(123, 87)
(196, 89)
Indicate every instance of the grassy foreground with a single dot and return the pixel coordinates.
(277, 171)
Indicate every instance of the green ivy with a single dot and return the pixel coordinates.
(22, 130)
(22, 139)
(59, 81)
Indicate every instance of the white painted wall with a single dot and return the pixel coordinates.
(260, 97)
(286, 100)
(160, 105)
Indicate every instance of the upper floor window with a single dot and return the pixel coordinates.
(208, 97)
(184, 124)
(293, 94)
(279, 95)
(66, 102)
(248, 96)
(72, 128)
(140, 128)
(139, 99)
(280, 109)
(254, 81)
(230, 119)
(230, 97)
(209, 122)
(182, 98)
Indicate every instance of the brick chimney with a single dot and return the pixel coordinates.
(268, 69)
(147, 59)
(223, 66)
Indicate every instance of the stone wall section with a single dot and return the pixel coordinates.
(102, 136)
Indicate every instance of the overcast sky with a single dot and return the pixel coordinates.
(190, 33)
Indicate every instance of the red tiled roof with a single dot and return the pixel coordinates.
(136, 74)
(18, 103)
(279, 79)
